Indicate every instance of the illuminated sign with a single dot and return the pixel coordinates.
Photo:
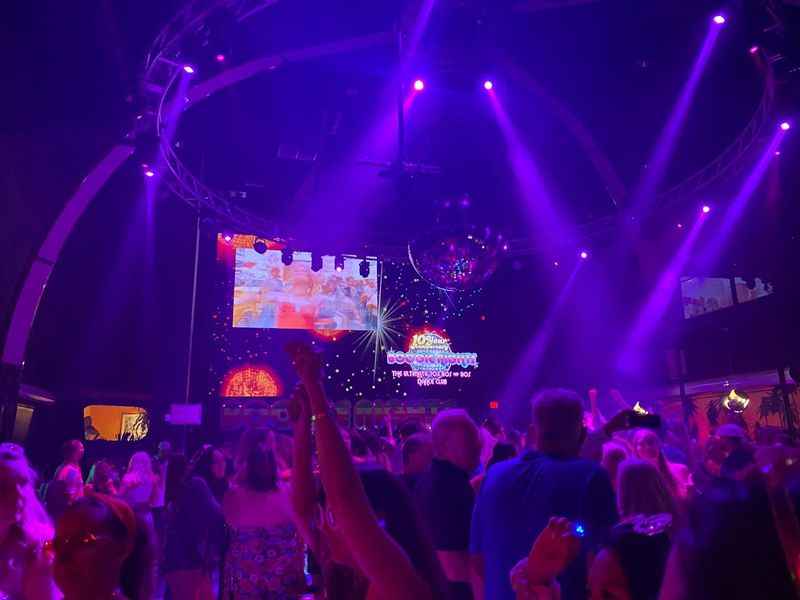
(250, 381)
(431, 359)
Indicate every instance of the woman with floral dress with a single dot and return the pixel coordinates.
(265, 552)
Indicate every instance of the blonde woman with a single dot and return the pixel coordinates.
(25, 530)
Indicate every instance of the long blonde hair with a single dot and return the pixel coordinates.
(32, 520)
(641, 489)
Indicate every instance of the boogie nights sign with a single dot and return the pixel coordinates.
(430, 360)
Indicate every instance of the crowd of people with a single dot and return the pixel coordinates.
(577, 507)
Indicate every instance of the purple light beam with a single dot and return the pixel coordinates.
(540, 210)
(657, 302)
(665, 145)
(738, 206)
(529, 363)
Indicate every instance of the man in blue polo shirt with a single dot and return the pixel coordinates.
(519, 496)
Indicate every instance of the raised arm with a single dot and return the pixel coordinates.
(303, 489)
(382, 560)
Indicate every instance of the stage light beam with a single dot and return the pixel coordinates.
(706, 209)
(584, 254)
(188, 69)
(786, 126)
(419, 85)
(488, 85)
(719, 19)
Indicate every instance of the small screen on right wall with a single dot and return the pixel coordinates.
(747, 291)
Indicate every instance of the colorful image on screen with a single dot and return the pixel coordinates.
(271, 295)
(703, 295)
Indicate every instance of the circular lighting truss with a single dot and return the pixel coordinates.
(164, 69)
(735, 157)
(168, 55)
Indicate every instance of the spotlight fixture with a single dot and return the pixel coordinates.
(287, 256)
(706, 209)
(260, 246)
(363, 268)
(488, 85)
(338, 263)
(419, 85)
(188, 69)
(753, 49)
(316, 262)
(777, 152)
(220, 58)
(555, 263)
(584, 254)
(719, 19)
(148, 172)
(785, 126)
(680, 225)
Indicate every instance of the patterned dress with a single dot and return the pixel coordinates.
(264, 564)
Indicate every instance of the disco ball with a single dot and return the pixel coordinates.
(457, 259)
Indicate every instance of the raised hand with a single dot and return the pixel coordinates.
(306, 362)
(552, 551)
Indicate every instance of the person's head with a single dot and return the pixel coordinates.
(251, 438)
(417, 453)
(398, 515)
(260, 471)
(209, 463)
(72, 451)
(557, 422)
(100, 547)
(501, 451)
(164, 450)
(102, 476)
(19, 506)
(731, 438)
(641, 490)
(729, 548)
(456, 439)
(647, 445)
(140, 464)
(613, 454)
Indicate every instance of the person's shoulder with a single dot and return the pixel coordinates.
(507, 471)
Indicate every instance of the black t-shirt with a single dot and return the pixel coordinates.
(446, 499)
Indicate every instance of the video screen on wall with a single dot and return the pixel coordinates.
(703, 295)
(269, 294)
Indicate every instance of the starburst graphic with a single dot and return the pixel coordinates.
(385, 334)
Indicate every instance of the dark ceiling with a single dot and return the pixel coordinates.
(615, 67)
